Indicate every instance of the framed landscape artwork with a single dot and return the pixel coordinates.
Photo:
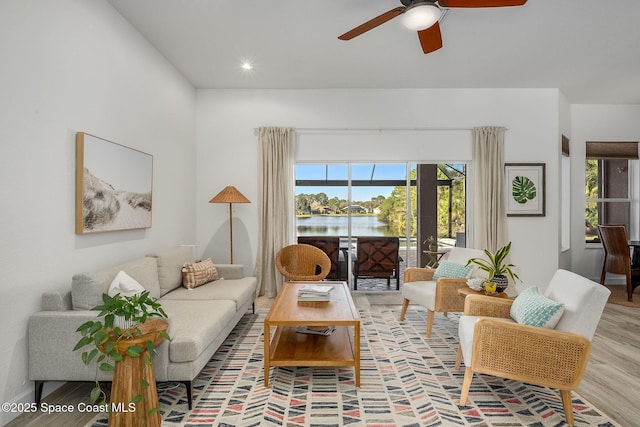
(113, 186)
(525, 188)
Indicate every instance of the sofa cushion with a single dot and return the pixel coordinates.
(170, 266)
(87, 288)
(240, 291)
(193, 325)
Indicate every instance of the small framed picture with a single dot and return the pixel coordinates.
(525, 189)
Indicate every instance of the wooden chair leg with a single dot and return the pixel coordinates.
(568, 407)
(459, 357)
(430, 315)
(466, 384)
(405, 305)
(629, 287)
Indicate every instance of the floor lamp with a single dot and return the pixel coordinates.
(231, 195)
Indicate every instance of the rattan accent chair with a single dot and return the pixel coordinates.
(330, 245)
(617, 256)
(491, 343)
(436, 296)
(303, 263)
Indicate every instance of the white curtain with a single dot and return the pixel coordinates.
(489, 207)
(276, 147)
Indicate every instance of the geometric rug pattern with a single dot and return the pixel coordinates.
(407, 379)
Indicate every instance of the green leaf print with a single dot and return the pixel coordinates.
(523, 189)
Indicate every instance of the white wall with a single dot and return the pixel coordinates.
(68, 66)
(226, 150)
(595, 123)
(564, 183)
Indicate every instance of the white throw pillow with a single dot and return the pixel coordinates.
(125, 285)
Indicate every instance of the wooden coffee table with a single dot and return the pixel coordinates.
(291, 348)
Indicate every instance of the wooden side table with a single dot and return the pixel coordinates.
(127, 381)
(464, 291)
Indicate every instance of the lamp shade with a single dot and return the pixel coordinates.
(229, 194)
(421, 16)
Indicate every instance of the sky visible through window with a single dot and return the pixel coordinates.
(380, 171)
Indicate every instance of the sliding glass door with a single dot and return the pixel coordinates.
(385, 202)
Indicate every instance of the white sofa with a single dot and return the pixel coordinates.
(199, 319)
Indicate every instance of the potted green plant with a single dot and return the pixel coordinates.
(497, 268)
(124, 333)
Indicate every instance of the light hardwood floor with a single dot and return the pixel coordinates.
(611, 382)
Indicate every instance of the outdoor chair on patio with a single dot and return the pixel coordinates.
(439, 293)
(302, 263)
(330, 245)
(617, 256)
(535, 350)
(377, 257)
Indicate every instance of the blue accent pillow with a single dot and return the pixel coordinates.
(452, 270)
(532, 308)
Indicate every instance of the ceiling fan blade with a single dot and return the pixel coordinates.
(371, 24)
(431, 38)
(480, 3)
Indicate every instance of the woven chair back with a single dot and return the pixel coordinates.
(303, 263)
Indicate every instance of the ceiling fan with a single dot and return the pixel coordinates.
(422, 16)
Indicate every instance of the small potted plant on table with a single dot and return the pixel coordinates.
(124, 338)
(497, 268)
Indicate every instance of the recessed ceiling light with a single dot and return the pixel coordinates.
(247, 66)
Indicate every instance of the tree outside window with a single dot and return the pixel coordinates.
(607, 195)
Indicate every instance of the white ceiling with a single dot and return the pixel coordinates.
(590, 49)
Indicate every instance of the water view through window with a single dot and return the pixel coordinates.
(377, 206)
(380, 201)
(326, 225)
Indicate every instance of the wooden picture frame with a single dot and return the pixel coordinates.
(113, 186)
(525, 185)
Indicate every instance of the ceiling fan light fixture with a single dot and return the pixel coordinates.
(420, 16)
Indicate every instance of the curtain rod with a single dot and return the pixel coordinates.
(380, 129)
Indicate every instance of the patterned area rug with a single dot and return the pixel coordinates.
(406, 380)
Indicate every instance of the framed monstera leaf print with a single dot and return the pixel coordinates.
(525, 188)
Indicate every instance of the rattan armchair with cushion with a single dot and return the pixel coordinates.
(491, 342)
(440, 294)
(303, 263)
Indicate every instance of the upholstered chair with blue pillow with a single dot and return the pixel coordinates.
(437, 289)
(542, 337)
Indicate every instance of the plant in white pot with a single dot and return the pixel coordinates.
(123, 338)
(498, 269)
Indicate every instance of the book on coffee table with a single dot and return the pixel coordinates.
(316, 330)
(314, 293)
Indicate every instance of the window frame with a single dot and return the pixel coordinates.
(601, 152)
